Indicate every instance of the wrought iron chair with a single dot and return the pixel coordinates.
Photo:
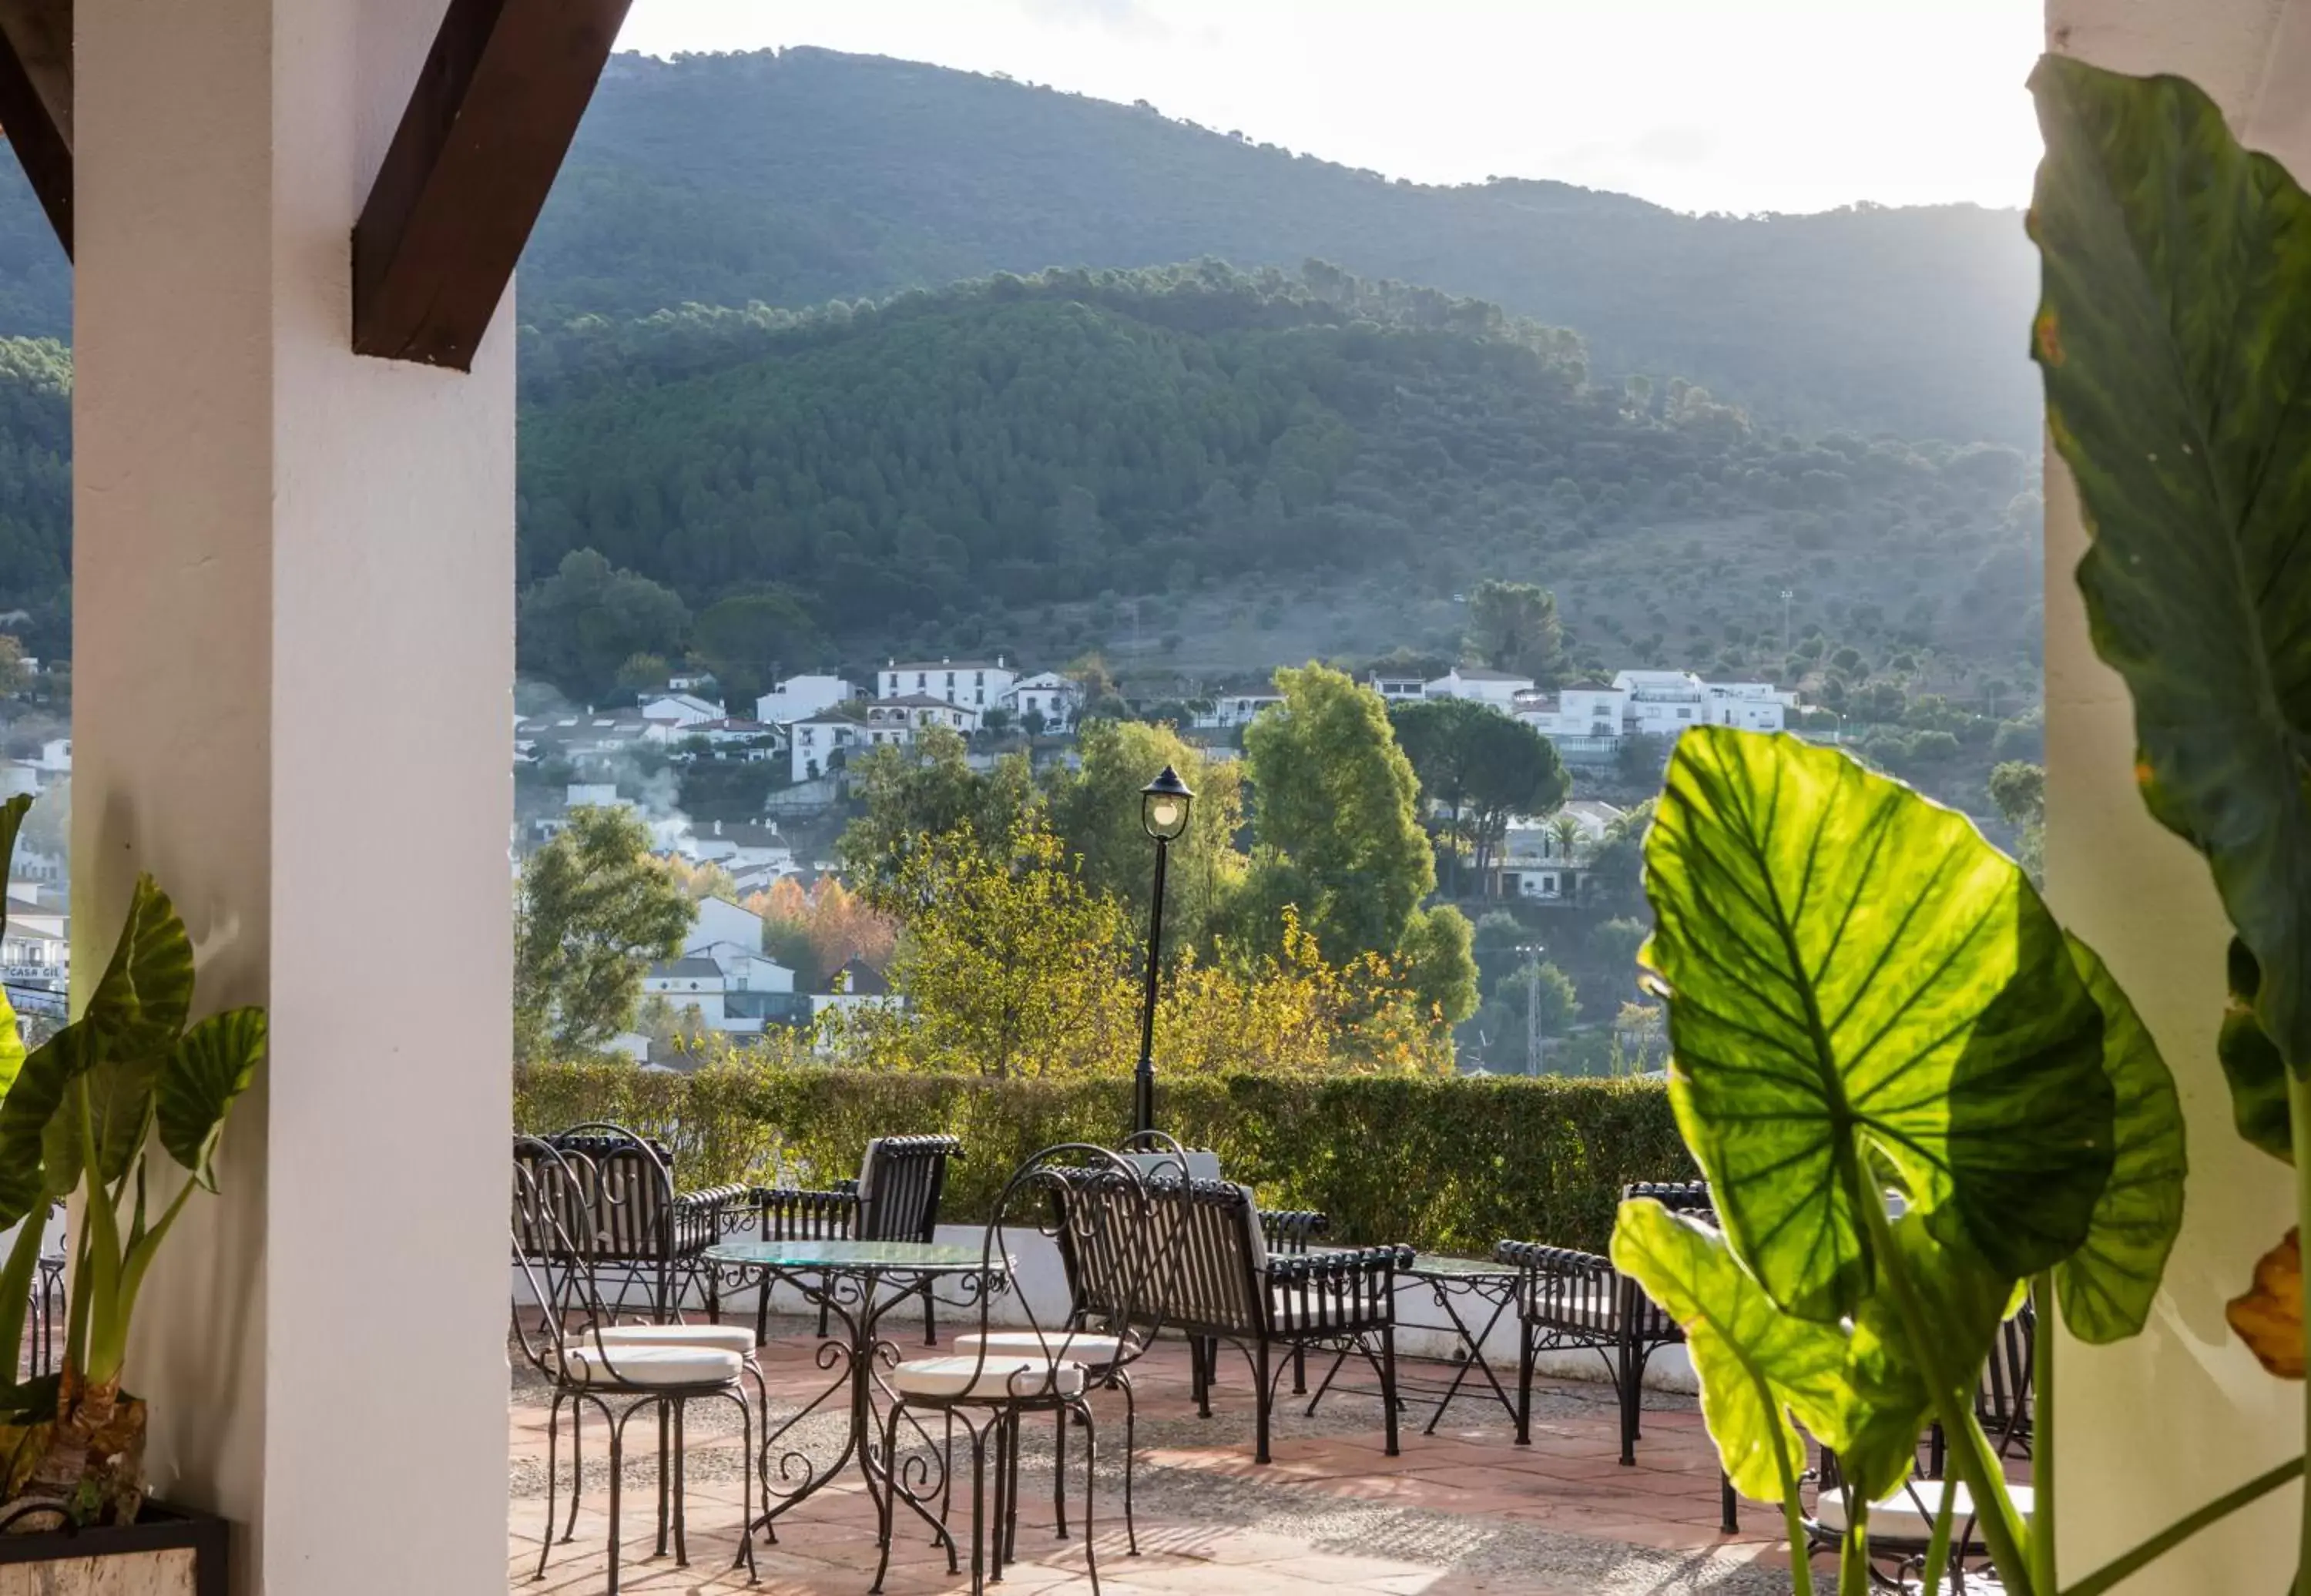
(1092, 1204)
(573, 1212)
(662, 1225)
(1569, 1300)
(1221, 1282)
(1287, 1231)
(1900, 1530)
(895, 1199)
(45, 1312)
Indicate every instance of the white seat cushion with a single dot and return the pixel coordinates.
(990, 1380)
(721, 1337)
(1908, 1514)
(1082, 1347)
(612, 1364)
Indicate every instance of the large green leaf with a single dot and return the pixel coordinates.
(140, 1003)
(1755, 1363)
(26, 1181)
(1853, 969)
(2252, 1065)
(12, 1037)
(2172, 338)
(211, 1066)
(2108, 1285)
(1960, 1301)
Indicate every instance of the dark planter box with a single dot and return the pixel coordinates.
(168, 1551)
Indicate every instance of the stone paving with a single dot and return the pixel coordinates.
(1459, 1513)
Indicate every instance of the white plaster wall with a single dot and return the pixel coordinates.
(2159, 1424)
(279, 542)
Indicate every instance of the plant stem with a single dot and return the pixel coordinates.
(2045, 1312)
(1792, 1514)
(16, 1287)
(2299, 1106)
(1853, 1557)
(1938, 1543)
(1969, 1449)
(2125, 1566)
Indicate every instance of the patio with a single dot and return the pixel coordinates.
(1462, 1510)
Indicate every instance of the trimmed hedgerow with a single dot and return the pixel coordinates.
(1452, 1165)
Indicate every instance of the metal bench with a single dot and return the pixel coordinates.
(895, 1199)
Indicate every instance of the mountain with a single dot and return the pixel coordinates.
(797, 178)
(945, 469)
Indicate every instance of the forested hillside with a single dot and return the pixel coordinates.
(934, 468)
(799, 178)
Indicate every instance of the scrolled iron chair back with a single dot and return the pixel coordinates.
(560, 1198)
(908, 1178)
(1085, 1201)
(635, 1219)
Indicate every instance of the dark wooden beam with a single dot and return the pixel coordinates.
(477, 149)
(36, 102)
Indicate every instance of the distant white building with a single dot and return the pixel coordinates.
(1497, 687)
(1232, 710)
(748, 740)
(1397, 687)
(1048, 694)
(719, 921)
(1536, 863)
(745, 850)
(55, 757)
(680, 709)
(980, 685)
(799, 698)
(813, 743)
(691, 982)
(1665, 702)
(914, 712)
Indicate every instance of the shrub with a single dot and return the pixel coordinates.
(1452, 1163)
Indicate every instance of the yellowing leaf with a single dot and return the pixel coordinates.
(2270, 1317)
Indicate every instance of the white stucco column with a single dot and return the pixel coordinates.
(2162, 1424)
(294, 652)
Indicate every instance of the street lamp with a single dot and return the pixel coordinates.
(1164, 815)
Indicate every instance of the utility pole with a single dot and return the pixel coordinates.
(1535, 1043)
(1787, 594)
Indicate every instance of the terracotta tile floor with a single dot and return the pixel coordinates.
(1462, 1512)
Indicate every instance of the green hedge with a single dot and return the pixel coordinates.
(1452, 1165)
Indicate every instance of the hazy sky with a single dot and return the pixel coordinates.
(1739, 104)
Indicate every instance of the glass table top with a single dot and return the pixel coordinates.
(1437, 1265)
(914, 1258)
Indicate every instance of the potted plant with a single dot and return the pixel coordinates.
(122, 1107)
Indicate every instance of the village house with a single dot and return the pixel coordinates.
(1397, 687)
(813, 743)
(681, 711)
(1537, 864)
(799, 698)
(979, 684)
(1048, 694)
(915, 712)
(1499, 688)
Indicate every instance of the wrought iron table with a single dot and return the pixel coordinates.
(1454, 1282)
(856, 1283)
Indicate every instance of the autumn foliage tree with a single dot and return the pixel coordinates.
(816, 930)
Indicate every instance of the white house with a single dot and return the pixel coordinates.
(748, 740)
(854, 986)
(1397, 687)
(1664, 702)
(980, 684)
(720, 921)
(689, 982)
(602, 794)
(1584, 721)
(55, 757)
(1496, 687)
(680, 709)
(799, 698)
(1235, 708)
(746, 969)
(1048, 694)
(914, 712)
(812, 745)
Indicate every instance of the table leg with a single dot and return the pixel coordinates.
(1475, 1348)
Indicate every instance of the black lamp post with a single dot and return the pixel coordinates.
(1163, 813)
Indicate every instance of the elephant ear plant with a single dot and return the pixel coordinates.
(77, 1115)
(2173, 335)
(1913, 1095)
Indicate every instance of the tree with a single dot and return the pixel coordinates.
(1439, 963)
(1615, 876)
(1438, 736)
(1616, 942)
(1334, 812)
(1565, 834)
(579, 625)
(1512, 771)
(2018, 788)
(1011, 965)
(643, 672)
(1513, 626)
(814, 932)
(926, 789)
(746, 639)
(1095, 811)
(593, 913)
(699, 879)
(16, 675)
(1033, 722)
